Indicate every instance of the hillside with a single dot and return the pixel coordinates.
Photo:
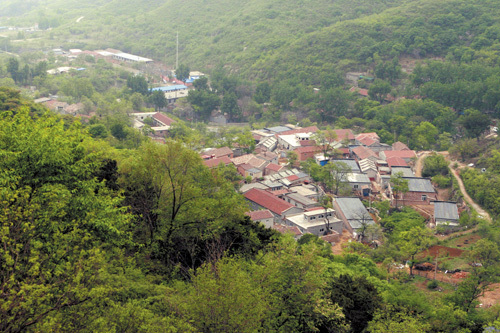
(274, 40)
(232, 32)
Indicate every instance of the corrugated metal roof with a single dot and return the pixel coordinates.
(420, 185)
(446, 210)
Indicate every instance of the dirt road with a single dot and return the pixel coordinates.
(482, 213)
(455, 172)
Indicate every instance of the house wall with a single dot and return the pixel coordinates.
(268, 223)
(306, 155)
(415, 198)
(342, 217)
(444, 222)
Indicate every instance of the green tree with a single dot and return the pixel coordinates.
(203, 102)
(201, 83)
(157, 98)
(230, 106)
(262, 93)
(59, 224)
(138, 84)
(435, 164)
(399, 186)
(182, 73)
(379, 90)
(358, 298)
(474, 122)
(414, 241)
(484, 265)
(98, 131)
(181, 206)
(389, 320)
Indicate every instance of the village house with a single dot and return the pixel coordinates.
(248, 170)
(420, 192)
(353, 213)
(362, 152)
(260, 199)
(299, 200)
(285, 230)
(304, 153)
(272, 169)
(262, 216)
(359, 183)
(406, 155)
(345, 136)
(445, 214)
(215, 162)
(318, 222)
(218, 153)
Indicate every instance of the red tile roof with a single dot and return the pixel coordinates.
(212, 163)
(362, 92)
(260, 215)
(268, 201)
(219, 152)
(163, 119)
(371, 135)
(279, 192)
(399, 153)
(313, 208)
(363, 152)
(367, 141)
(274, 167)
(309, 129)
(292, 178)
(396, 161)
(285, 229)
(399, 146)
(343, 133)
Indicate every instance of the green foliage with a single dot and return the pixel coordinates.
(59, 223)
(379, 90)
(435, 164)
(138, 84)
(358, 298)
(182, 73)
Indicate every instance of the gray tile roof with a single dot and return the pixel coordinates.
(349, 162)
(354, 211)
(446, 210)
(406, 171)
(420, 185)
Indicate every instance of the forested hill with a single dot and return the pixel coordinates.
(234, 32)
(273, 38)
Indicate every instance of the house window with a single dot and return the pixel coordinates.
(356, 186)
(424, 197)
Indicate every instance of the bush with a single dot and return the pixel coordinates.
(441, 181)
(432, 285)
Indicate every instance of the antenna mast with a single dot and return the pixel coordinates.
(177, 52)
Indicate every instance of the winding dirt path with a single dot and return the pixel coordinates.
(455, 172)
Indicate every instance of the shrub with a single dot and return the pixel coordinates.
(432, 285)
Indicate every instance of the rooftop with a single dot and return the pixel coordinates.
(268, 201)
(212, 163)
(416, 184)
(445, 210)
(354, 211)
(260, 215)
